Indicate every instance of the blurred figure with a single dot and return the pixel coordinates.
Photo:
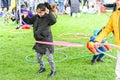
(92, 7)
(67, 10)
(85, 2)
(6, 4)
(61, 6)
(31, 5)
(6, 15)
(98, 6)
(51, 1)
(75, 7)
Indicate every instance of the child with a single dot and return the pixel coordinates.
(6, 15)
(17, 17)
(113, 25)
(98, 55)
(42, 22)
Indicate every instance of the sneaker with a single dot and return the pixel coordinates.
(41, 70)
(17, 27)
(92, 62)
(52, 73)
(100, 60)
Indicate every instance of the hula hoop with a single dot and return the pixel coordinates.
(59, 43)
(82, 57)
(33, 61)
(113, 57)
(109, 54)
(112, 45)
(61, 48)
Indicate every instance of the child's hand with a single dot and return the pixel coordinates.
(47, 11)
(25, 14)
(97, 44)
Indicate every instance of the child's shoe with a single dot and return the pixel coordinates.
(52, 73)
(100, 60)
(41, 70)
(92, 62)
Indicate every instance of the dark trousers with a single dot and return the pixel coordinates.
(97, 56)
(5, 4)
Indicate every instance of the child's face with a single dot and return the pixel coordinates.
(40, 12)
(25, 13)
(118, 3)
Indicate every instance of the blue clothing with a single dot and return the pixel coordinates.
(92, 38)
(61, 7)
(51, 1)
(102, 48)
(6, 3)
(1, 13)
(97, 56)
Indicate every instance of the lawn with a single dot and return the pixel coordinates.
(71, 63)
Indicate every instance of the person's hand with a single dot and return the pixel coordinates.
(47, 11)
(97, 44)
(25, 14)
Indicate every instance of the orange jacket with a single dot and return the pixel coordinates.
(112, 25)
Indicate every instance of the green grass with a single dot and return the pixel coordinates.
(15, 45)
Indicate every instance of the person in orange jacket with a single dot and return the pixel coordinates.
(113, 25)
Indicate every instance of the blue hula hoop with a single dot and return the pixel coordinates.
(34, 61)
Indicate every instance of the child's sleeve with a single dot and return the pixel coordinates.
(108, 28)
(52, 19)
(107, 46)
(92, 38)
(28, 20)
(90, 46)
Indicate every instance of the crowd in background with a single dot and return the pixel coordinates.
(71, 7)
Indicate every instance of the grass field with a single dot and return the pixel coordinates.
(16, 45)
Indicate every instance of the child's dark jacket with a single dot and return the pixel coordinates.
(42, 31)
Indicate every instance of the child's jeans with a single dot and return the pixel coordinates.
(117, 70)
(97, 56)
